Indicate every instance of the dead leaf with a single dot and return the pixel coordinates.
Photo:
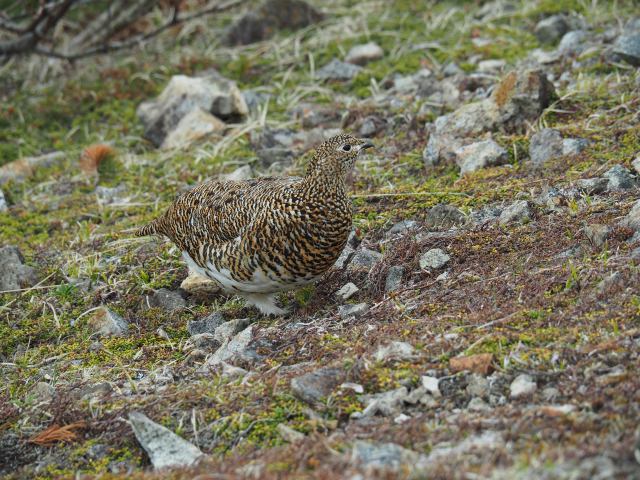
(56, 433)
(93, 155)
(480, 363)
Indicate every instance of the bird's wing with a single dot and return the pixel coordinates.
(218, 212)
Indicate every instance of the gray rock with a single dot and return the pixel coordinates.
(365, 259)
(636, 163)
(434, 259)
(43, 392)
(620, 178)
(344, 257)
(431, 385)
(477, 385)
(165, 448)
(338, 70)
(609, 283)
(519, 98)
(551, 29)
(518, 212)
(632, 220)
(110, 195)
(271, 16)
(545, 145)
(370, 126)
(347, 291)
(523, 386)
(365, 53)
(628, 48)
(14, 274)
(166, 299)
(592, 186)
(212, 94)
(491, 66)
(395, 351)
(205, 341)
(573, 43)
(387, 404)
(255, 100)
(385, 456)
(394, 279)
(108, 323)
(477, 404)
(225, 332)
(452, 69)
(480, 155)
(353, 310)
(401, 228)
(597, 234)
(3, 203)
(207, 324)
(573, 146)
(444, 216)
(195, 125)
(238, 175)
(25, 167)
(316, 386)
(238, 348)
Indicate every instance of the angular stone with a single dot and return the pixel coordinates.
(194, 126)
(394, 278)
(518, 212)
(108, 323)
(165, 448)
(477, 385)
(316, 386)
(207, 324)
(213, 94)
(365, 259)
(395, 351)
(365, 53)
(523, 386)
(480, 155)
(353, 310)
(344, 257)
(592, 186)
(597, 234)
(434, 259)
(387, 403)
(236, 349)
(166, 299)
(573, 146)
(270, 17)
(632, 220)
(628, 48)
(620, 178)
(14, 274)
(225, 332)
(402, 227)
(347, 291)
(573, 43)
(338, 70)
(551, 29)
(545, 145)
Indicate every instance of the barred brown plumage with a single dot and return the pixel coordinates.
(266, 235)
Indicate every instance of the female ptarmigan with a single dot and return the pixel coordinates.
(266, 235)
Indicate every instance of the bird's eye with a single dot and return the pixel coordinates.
(346, 148)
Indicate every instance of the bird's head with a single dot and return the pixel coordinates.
(338, 155)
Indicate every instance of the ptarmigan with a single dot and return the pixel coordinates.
(266, 235)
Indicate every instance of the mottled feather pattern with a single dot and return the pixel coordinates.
(267, 234)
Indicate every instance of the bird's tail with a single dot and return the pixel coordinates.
(152, 228)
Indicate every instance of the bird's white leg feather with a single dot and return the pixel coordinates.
(264, 302)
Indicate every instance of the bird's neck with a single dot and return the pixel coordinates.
(324, 176)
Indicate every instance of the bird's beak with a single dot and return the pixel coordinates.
(366, 145)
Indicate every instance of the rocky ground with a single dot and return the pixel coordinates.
(483, 322)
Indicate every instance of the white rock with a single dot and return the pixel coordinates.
(491, 66)
(3, 202)
(347, 291)
(235, 348)
(434, 259)
(431, 385)
(365, 53)
(356, 387)
(395, 351)
(523, 386)
(165, 448)
(194, 126)
(480, 155)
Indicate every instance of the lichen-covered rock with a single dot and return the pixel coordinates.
(211, 94)
(628, 48)
(620, 178)
(545, 145)
(270, 17)
(480, 155)
(518, 212)
(632, 219)
(14, 274)
(434, 259)
(551, 29)
(394, 278)
(236, 349)
(165, 448)
(316, 386)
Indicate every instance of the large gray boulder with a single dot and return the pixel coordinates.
(212, 94)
